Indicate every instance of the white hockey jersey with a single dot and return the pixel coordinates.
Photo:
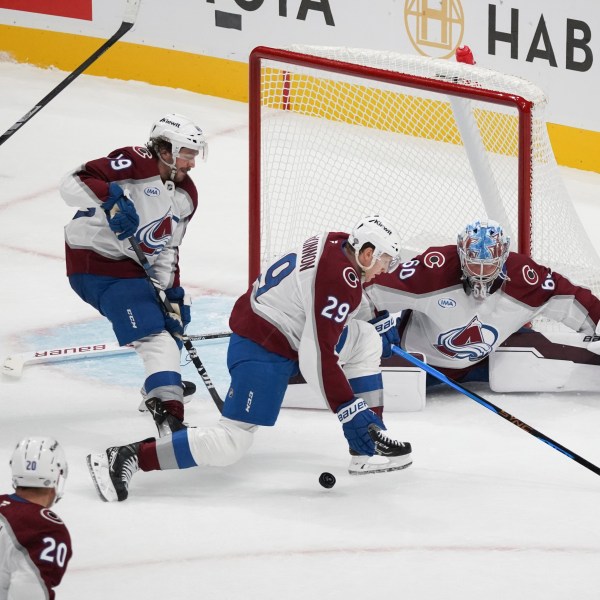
(298, 308)
(164, 211)
(455, 330)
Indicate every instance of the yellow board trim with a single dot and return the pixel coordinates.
(577, 148)
(573, 147)
(385, 110)
(157, 66)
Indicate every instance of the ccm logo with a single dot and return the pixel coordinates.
(131, 318)
(152, 191)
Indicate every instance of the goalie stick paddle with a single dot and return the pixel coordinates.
(502, 413)
(131, 11)
(14, 364)
(193, 354)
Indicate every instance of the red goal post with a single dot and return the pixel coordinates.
(338, 133)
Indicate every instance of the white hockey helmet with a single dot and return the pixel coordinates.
(382, 235)
(180, 132)
(483, 249)
(39, 462)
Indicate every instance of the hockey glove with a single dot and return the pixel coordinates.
(123, 219)
(180, 300)
(174, 326)
(115, 191)
(386, 327)
(355, 417)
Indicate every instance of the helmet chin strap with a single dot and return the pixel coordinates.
(361, 266)
(172, 167)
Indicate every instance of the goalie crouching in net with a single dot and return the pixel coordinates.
(299, 314)
(460, 303)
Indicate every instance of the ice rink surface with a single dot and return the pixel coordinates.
(486, 511)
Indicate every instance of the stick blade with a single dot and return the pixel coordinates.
(131, 10)
(13, 366)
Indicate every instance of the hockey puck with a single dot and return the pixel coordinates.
(327, 480)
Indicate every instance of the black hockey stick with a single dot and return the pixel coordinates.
(131, 10)
(169, 308)
(520, 424)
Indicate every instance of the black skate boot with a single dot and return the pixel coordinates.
(189, 389)
(112, 471)
(390, 455)
(166, 423)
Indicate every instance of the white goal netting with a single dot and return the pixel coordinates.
(336, 145)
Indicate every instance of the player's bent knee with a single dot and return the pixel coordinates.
(222, 445)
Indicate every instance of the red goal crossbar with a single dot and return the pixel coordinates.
(451, 88)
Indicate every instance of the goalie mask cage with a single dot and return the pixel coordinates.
(339, 133)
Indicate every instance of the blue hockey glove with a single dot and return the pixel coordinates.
(124, 221)
(386, 327)
(355, 417)
(174, 326)
(178, 298)
(115, 191)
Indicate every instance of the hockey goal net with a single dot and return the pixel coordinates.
(339, 133)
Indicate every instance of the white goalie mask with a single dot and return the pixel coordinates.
(483, 249)
(180, 132)
(379, 232)
(39, 462)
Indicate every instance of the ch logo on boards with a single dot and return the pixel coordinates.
(435, 27)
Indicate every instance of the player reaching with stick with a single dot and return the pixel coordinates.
(298, 315)
(144, 191)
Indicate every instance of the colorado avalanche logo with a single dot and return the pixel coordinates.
(142, 151)
(531, 277)
(351, 277)
(153, 236)
(50, 516)
(475, 341)
(434, 259)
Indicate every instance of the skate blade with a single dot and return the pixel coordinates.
(98, 467)
(373, 469)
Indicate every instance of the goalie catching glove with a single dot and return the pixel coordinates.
(386, 327)
(355, 417)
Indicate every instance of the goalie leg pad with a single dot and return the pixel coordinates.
(548, 362)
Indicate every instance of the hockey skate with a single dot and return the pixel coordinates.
(189, 389)
(112, 471)
(166, 423)
(390, 455)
